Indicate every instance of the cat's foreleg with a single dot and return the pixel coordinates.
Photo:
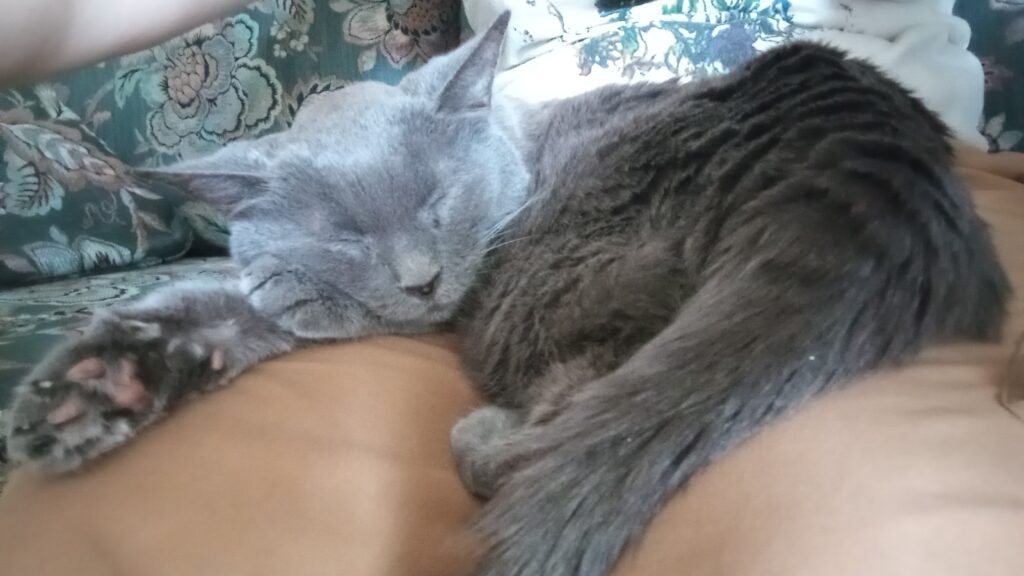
(132, 366)
(306, 307)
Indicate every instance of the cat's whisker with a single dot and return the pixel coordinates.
(495, 231)
(491, 237)
(502, 225)
(494, 247)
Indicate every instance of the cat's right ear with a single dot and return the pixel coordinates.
(462, 80)
(228, 180)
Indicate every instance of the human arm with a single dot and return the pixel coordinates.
(45, 37)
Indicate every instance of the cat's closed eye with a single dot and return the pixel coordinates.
(432, 211)
(348, 245)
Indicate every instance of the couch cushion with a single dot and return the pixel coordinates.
(335, 460)
(68, 206)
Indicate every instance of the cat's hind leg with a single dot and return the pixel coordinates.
(131, 367)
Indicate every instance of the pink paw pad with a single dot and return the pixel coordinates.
(128, 391)
(217, 360)
(121, 384)
(88, 369)
(69, 411)
(81, 373)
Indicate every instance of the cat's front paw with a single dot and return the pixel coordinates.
(96, 392)
(295, 301)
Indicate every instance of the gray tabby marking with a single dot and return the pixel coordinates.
(644, 275)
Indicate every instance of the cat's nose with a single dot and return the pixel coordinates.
(424, 289)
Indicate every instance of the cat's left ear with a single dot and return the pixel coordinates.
(471, 87)
(228, 179)
(462, 80)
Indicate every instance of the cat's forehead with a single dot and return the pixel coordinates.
(362, 189)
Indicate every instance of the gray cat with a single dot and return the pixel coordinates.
(644, 275)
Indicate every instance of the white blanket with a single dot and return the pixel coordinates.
(917, 42)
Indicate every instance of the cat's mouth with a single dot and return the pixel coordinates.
(441, 310)
(418, 312)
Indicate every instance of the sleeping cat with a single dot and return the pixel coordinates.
(643, 275)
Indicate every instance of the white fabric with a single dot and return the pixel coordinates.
(537, 26)
(917, 42)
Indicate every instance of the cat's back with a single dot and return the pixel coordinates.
(806, 82)
(639, 188)
(803, 107)
(780, 95)
(795, 102)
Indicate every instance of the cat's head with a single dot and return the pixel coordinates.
(386, 194)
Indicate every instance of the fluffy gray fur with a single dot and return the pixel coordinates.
(644, 275)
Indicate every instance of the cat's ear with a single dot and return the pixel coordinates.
(225, 191)
(470, 88)
(228, 179)
(462, 80)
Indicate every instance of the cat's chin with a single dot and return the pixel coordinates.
(420, 322)
(436, 314)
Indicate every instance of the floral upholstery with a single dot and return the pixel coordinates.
(686, 38)
(574, 48)
(998, 39)
(213, 88)
(67, 205)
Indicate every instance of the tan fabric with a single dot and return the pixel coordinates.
(334, 461)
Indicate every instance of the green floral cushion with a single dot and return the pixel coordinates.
(65, 204)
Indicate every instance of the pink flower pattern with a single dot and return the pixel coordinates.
(401, 30)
